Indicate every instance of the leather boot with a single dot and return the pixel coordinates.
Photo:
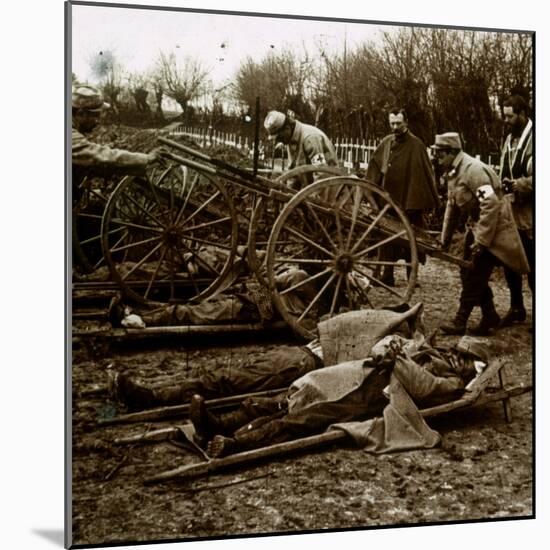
(489, 319)
(207, 424)
(228, 423)
(134, 395)
(514, 315)
(260, 432)
(115, 313)
(458, 324)
(263, 431)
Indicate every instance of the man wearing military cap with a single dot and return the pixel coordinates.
(491, 236)
(306, 144)
(91, 158)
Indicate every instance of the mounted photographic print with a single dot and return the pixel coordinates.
(301, 273)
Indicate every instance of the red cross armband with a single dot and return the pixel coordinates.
(484, 192)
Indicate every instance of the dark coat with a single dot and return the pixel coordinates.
(402, 167)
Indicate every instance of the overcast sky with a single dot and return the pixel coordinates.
(221, 42)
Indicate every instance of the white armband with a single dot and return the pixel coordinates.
(484, 192)
(319, 158)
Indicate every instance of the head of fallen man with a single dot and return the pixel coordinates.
(472, 356)
(468, 358)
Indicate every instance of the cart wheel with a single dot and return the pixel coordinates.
(266, 212)
(323, 252)
(87, 214)
(172, 240)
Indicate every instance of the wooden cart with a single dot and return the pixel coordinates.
(187, 235)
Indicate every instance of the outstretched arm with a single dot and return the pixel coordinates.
(101, 157)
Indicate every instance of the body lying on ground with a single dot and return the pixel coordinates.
(274, 368)
(251, 304)
(279, 367)
(409, 370)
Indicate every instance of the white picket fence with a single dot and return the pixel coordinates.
(206, 137)
(352, 154)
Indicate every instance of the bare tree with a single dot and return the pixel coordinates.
(282, 80)
(446, 79)
(156, 82)
(181, 80)
(137, 86)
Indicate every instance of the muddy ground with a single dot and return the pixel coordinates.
(483, 468)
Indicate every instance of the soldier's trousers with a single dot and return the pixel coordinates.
(475, 282)
(514, 279)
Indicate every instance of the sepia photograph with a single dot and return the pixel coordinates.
(300, 273)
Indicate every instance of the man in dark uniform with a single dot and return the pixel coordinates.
(516, 172)
(402, 167)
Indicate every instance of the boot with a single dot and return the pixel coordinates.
(489, 319)
(265, 430)
(260, 432)
(134, 395)
(515, 315)
(207, 424)
(220, 446)
(458, 324)
(204, 426)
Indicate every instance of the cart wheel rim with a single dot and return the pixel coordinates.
(333, 243)
(165, 227)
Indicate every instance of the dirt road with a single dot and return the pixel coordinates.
(483, 469)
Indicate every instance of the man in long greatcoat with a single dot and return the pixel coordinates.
(402, 167)
(491, 236)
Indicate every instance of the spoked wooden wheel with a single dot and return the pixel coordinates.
(267, 210)
(86, 226)
(323, 252)
(173, 240)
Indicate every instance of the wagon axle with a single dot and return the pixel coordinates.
(172, 236)
(344, 263)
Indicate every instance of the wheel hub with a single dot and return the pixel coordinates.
(171, 235)
(344, 263)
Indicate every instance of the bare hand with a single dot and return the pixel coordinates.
(515, 186)
(160, 156)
